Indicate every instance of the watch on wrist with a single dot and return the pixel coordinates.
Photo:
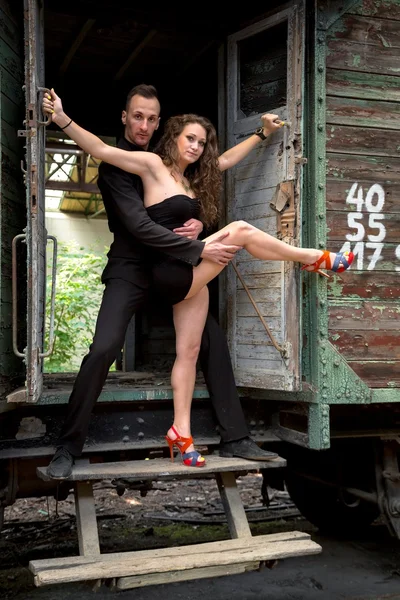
(260, 133)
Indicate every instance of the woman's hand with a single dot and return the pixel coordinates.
(271, 123)
(52, 105)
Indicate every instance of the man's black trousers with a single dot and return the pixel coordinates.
(121, 300)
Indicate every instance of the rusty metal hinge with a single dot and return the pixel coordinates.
(26, 133)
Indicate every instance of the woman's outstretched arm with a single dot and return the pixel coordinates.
(138, 162)
(233, 156)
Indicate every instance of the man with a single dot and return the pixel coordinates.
(126, 289)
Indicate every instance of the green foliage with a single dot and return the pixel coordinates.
(78, 296)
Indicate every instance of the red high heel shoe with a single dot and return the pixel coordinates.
(342, 262)
(190, 459)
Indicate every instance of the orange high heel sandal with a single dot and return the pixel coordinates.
(190, 459)
(342, 262)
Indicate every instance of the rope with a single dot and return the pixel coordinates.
(281, 350)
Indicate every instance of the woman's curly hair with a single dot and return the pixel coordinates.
(204, 175)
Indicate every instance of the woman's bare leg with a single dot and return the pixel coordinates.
(258, 243)
(189, 320)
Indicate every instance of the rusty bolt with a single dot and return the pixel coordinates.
(125, 428)
(125, 438)
(140, 434)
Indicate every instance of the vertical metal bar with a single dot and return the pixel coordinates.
(21, 236)
(52, 298)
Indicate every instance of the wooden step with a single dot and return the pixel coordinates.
(146, 562)
(160, 468)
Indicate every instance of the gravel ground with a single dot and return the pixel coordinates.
(175, 513)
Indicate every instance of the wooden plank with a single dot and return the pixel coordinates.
(338, 190)
(368, 284)
(363, 113)
(362, 58)
(366, 315)
(160, 468)
(367, 86)
(269, 281)
(367, 30)
(367, 345)
(255, 267)
(385, 9)
(40, 565)
(228, 552)
(362, 140)
(270, 294)
(233, 506)
(380, 169)
(378, 374)
(265, 352)
(86, 522)
(10, 32)
(273, 308)
(127, 583)
(339, 226)
(263, 196)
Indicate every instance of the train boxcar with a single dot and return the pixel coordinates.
(321, 382)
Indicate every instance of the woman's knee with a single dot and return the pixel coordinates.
(188, 351)
(242, 228)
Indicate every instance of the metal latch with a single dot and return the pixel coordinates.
(26, 133)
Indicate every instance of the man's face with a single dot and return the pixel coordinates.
(141, 120)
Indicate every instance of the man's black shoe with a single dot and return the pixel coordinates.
(61, 464)
(245, 448)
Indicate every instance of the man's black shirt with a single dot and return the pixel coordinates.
(135, 234)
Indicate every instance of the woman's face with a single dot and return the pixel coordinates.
(191, 142)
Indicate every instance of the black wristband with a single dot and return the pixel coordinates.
(67, 125)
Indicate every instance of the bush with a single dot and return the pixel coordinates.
(78, 296)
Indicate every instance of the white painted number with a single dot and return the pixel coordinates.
(374, 203)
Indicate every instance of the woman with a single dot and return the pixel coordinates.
(181, 181)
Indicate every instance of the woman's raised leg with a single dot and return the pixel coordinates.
(264, 246)
(189, 319)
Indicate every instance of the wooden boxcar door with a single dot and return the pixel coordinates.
(35, 184)
(264, 74)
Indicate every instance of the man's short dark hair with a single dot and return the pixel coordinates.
(147, 91)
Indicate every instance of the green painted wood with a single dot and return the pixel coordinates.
(367, 30)
(364, 58)
(338, 189)
(61, 396)
(11, 87)
(368, 284)
(329, 11)
(385, 395)
(12, 218)
(379, 169)
(368, 86)
(378, 374)
(10, 32)
(363, 113)
(363, 145)
(385, 9)
(363, 141)
(338, 227)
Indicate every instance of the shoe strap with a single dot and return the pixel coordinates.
(182, 442)
(339, 261)
(325, 257)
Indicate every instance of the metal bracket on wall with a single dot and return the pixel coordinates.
(330, 11)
